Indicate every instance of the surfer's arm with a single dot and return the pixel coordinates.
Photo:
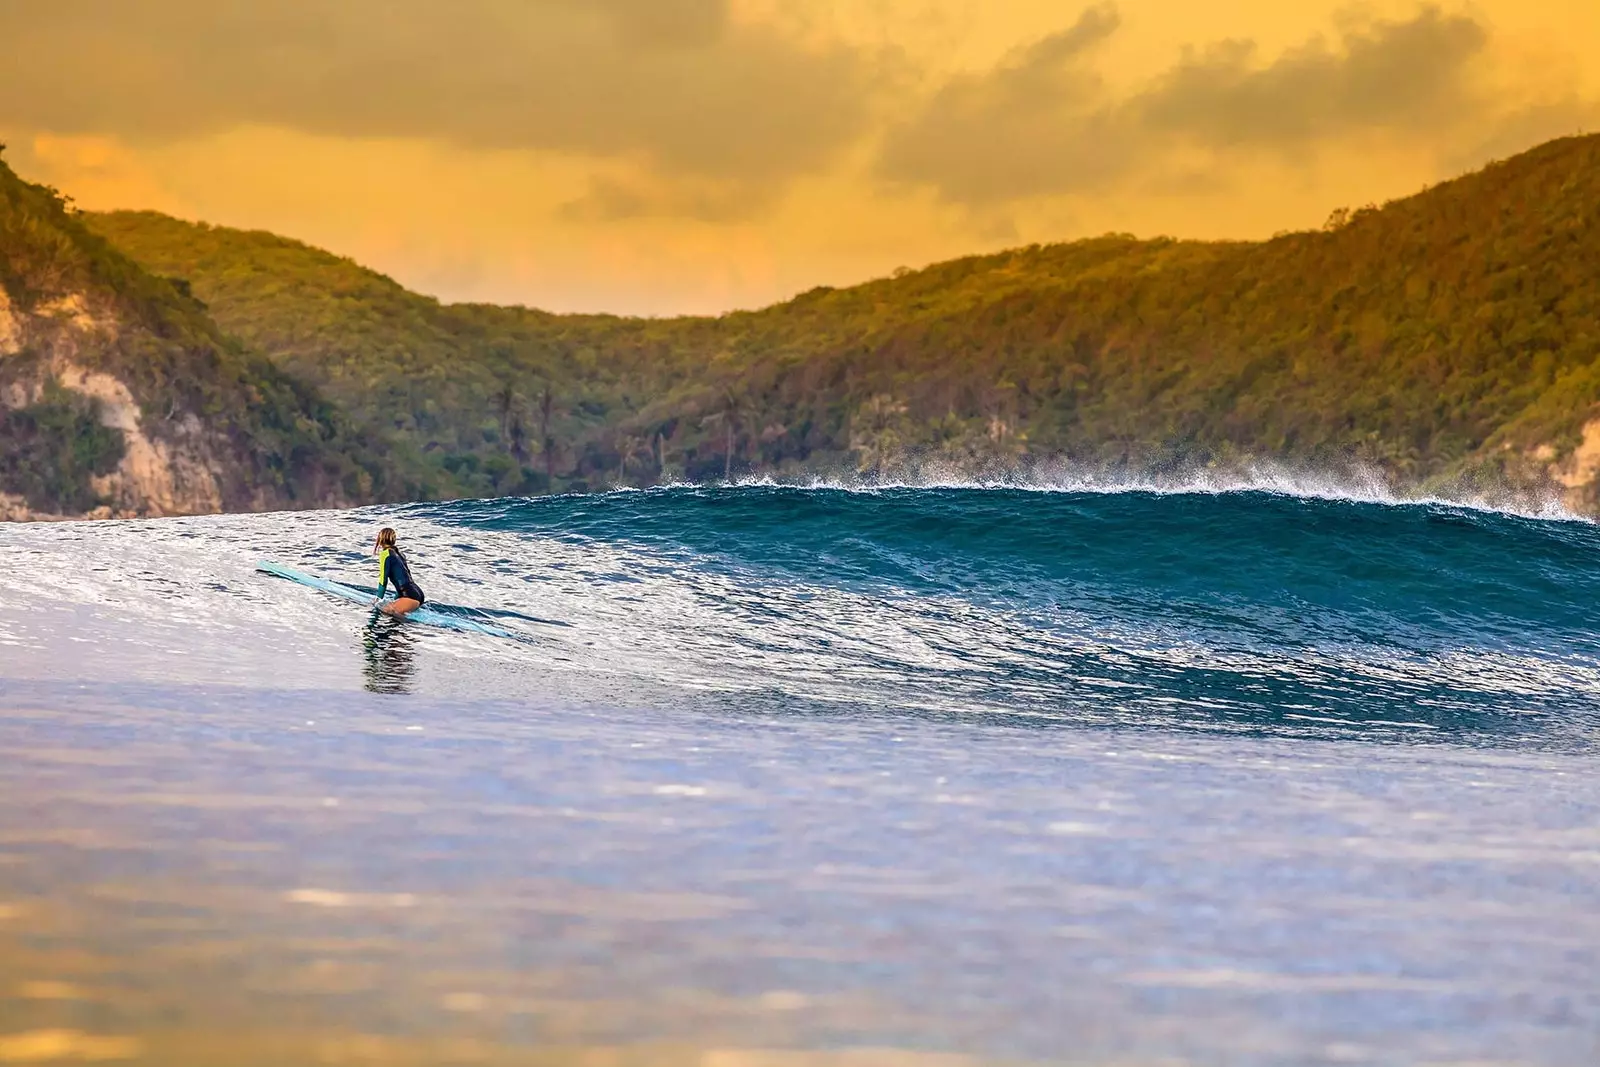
(383, 576)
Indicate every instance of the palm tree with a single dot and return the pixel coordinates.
(547, 443)
(628, 448)
(876, 433)
(730, 419)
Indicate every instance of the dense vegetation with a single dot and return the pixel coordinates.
(274, 440)
(51, 450)
(1449, 333)
(493, 399)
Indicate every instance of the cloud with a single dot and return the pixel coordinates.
(1033, 125)
(666, 22)
(1406, 76)
(611, 198)
(673, 83)
(1044, 123)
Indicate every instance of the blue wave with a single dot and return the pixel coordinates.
(1239, 611)
(1238, 608)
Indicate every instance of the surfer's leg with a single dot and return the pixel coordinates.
(401, 606)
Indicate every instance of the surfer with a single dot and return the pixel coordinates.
(392, 568)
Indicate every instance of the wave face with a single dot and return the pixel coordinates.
(1233, 610)
(1220, 611)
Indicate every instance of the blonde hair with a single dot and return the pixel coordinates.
(386, 537)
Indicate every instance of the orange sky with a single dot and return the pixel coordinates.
(662, 156)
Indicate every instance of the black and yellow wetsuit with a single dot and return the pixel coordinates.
(392, 568)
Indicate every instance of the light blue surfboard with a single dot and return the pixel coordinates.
(424, 614)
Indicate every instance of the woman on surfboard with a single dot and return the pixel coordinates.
(392, 567)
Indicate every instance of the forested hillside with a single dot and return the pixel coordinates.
(119, 395)
(1453, 333)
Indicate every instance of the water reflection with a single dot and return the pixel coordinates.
(422, 883)
(391, 655)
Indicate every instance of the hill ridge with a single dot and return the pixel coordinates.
(1446, 336)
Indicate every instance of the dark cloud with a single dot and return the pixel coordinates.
(1400, 75)
(666, 22)
(1033, 125)
(670, 82)
(1043, 123)
(654, 196)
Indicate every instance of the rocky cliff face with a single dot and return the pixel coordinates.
(170, 474)
(119, 396)
(1577, 473)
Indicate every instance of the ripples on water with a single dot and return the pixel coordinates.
(1133, 777)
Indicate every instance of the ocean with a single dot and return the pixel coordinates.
(775, 775)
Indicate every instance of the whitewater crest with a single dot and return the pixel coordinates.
(1357, 484)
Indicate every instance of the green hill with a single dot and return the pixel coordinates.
(466, 384)
(1451, 334)
(119, 393)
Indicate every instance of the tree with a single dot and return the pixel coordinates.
(729, 420)
(511, 431)
(547, 440)
(877, 434)
(628, 450)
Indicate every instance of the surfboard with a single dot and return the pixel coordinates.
(426, 614)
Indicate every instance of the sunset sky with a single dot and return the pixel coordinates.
(664, 156)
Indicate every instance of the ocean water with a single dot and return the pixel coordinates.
(771, 775)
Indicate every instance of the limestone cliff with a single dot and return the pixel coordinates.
(1578, 472)
(120, 397)
(168, 474)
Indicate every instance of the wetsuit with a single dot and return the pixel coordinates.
(392, 568)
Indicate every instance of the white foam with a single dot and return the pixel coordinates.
(1355, 484)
